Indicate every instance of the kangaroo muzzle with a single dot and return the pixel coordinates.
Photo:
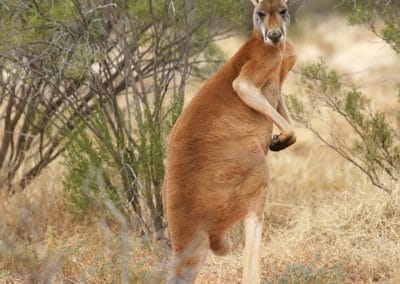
(274, 35)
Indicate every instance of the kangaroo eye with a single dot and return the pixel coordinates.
(283, 12)
(260, 14)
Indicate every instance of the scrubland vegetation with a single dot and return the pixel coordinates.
(91, 213)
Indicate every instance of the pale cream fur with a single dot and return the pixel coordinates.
(252, 250)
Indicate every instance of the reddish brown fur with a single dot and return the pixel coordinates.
(216, 170)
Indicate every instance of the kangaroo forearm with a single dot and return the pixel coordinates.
(254, 99)
(282, 110)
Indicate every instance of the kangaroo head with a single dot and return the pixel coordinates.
(271, 19)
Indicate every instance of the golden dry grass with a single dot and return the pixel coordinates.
(324, 222)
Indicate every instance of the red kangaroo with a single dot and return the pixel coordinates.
(216, 170)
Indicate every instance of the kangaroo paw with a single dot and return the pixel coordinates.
(280, 142)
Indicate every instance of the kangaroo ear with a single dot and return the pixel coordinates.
(255, 2)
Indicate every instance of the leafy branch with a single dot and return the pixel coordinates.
(373, 146)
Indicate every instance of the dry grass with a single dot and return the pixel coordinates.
(337, 218)
(324, 222)
(41, 243)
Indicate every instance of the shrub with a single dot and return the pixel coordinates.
(374, 145)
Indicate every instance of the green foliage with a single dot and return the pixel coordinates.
(361, 15)
(130, 164)
(86, 157)
(374, 146)
(297, 108)
(354, 105)
(227, 10)
(212, 60)
(373, 13)
(55, 32)
(317, 75)
(391, 34)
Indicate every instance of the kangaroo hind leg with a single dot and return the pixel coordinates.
(253, 224)
(188, 260)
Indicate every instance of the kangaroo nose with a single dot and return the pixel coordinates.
(274, 35)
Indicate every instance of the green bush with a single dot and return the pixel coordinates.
(147, 53)
(86, 157)
(375, 144)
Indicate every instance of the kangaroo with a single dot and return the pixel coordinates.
(216, 169)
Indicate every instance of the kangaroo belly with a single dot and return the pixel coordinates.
(215, 163)
(223, 137)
